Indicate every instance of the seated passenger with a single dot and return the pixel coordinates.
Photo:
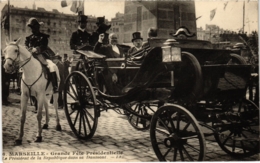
(152, 32)
(112, 50)
(102, 28)
(137, 41)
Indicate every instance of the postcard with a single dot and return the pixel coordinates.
(129, 81)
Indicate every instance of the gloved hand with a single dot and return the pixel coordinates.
(34, 50)
(101, 37)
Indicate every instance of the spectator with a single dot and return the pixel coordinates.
(57, 60)
(152, 32)
(66, 64)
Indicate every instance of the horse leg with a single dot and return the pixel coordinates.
(24, 100)
(55, 104)
(45, 104)
(39, 117)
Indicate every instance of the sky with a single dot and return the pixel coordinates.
(231, 18)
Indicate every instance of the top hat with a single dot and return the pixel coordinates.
(32, 22)
(82, 18)
(100, 20)
(136, 35)
(65, 55)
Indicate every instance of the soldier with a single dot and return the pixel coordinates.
(80, 39)
(38, 43)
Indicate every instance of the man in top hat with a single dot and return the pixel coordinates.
(137, 41)
(38, 43)
(80, 37)
(102, 28)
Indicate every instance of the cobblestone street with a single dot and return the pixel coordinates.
(114, 133)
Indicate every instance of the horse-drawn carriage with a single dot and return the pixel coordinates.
(179, 87)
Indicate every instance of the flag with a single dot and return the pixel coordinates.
(65, 3)
(198, 17)
(75, 6)
(212, 13)
(225, 5)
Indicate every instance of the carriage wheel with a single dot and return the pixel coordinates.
(176, 135)
(81, 107)
(141, 109)
(238, 132)
(236, 60)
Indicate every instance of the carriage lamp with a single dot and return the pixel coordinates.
(171, 52)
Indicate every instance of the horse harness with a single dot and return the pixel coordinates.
(26, 61)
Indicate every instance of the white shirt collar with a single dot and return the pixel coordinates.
(81, 29)
(115, 49)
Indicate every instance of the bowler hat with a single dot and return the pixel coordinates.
(32, 22)
(100, 20)
(136, 35)
(83, 18)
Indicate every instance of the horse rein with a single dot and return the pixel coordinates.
(20, 63)
(17, 59)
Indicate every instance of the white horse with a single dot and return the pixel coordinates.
(33, 83)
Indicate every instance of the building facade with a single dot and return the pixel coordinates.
(58, 25)
(117, 26)
(166, 16)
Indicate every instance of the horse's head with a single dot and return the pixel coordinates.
(12, 56)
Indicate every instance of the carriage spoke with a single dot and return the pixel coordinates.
(89, 126)
(187, 125)
(84, 125)
(75, 120)
(72, 112)
(161, 132)
(173, 127)
(178, 122)
(74, 91)
(80, 117)
(164, 124)
(167, 152)
(181, 154)
(175, 154)
(191, 147)
(187, 154)
(92, 118)
(74, 98)
(228, 137)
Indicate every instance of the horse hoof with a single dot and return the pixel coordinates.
(38, 139)
(58, 127)
(18, 142)
(45, 126)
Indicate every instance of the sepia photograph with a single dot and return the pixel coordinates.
(129, 80)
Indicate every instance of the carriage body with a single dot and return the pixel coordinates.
(209, 83)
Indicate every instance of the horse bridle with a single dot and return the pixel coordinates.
(17, 59)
